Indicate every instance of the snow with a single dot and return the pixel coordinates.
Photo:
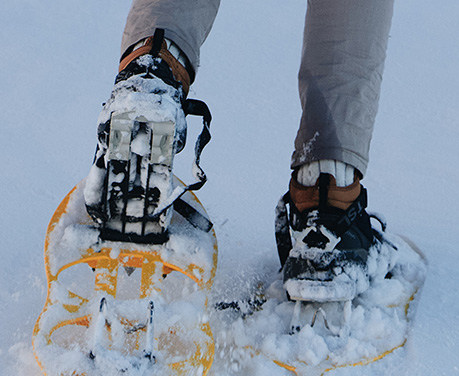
(59, 63)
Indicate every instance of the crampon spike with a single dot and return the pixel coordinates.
(324, 316)
(149, 346)
(101, 322)
(295, 325)
(336, 331)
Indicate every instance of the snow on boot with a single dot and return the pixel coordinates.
(332, 237)
(129, 190)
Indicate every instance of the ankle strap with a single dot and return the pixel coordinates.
(157, 47)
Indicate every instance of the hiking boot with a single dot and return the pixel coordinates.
(141, 128)
(332, 237)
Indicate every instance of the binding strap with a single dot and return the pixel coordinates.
(192, 215)
(282, 229)
(197, 108)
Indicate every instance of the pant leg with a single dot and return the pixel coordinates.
(343, 56)
(186, 22)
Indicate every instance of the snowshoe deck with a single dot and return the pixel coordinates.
(116, 307)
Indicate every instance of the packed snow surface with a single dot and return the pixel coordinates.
(59, 63)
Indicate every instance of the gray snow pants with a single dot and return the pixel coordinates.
(342, 62)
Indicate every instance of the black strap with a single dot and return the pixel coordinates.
(324, 183)
(197, 108)
(158, 38)
(282, 229)
(192, 215)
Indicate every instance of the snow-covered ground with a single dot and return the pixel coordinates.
(59, 62)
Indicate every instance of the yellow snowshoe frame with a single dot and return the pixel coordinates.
(106, 264)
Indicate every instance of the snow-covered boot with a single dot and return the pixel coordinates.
(332, 237)
(130, 191)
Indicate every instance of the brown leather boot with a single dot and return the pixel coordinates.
(332, 237)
